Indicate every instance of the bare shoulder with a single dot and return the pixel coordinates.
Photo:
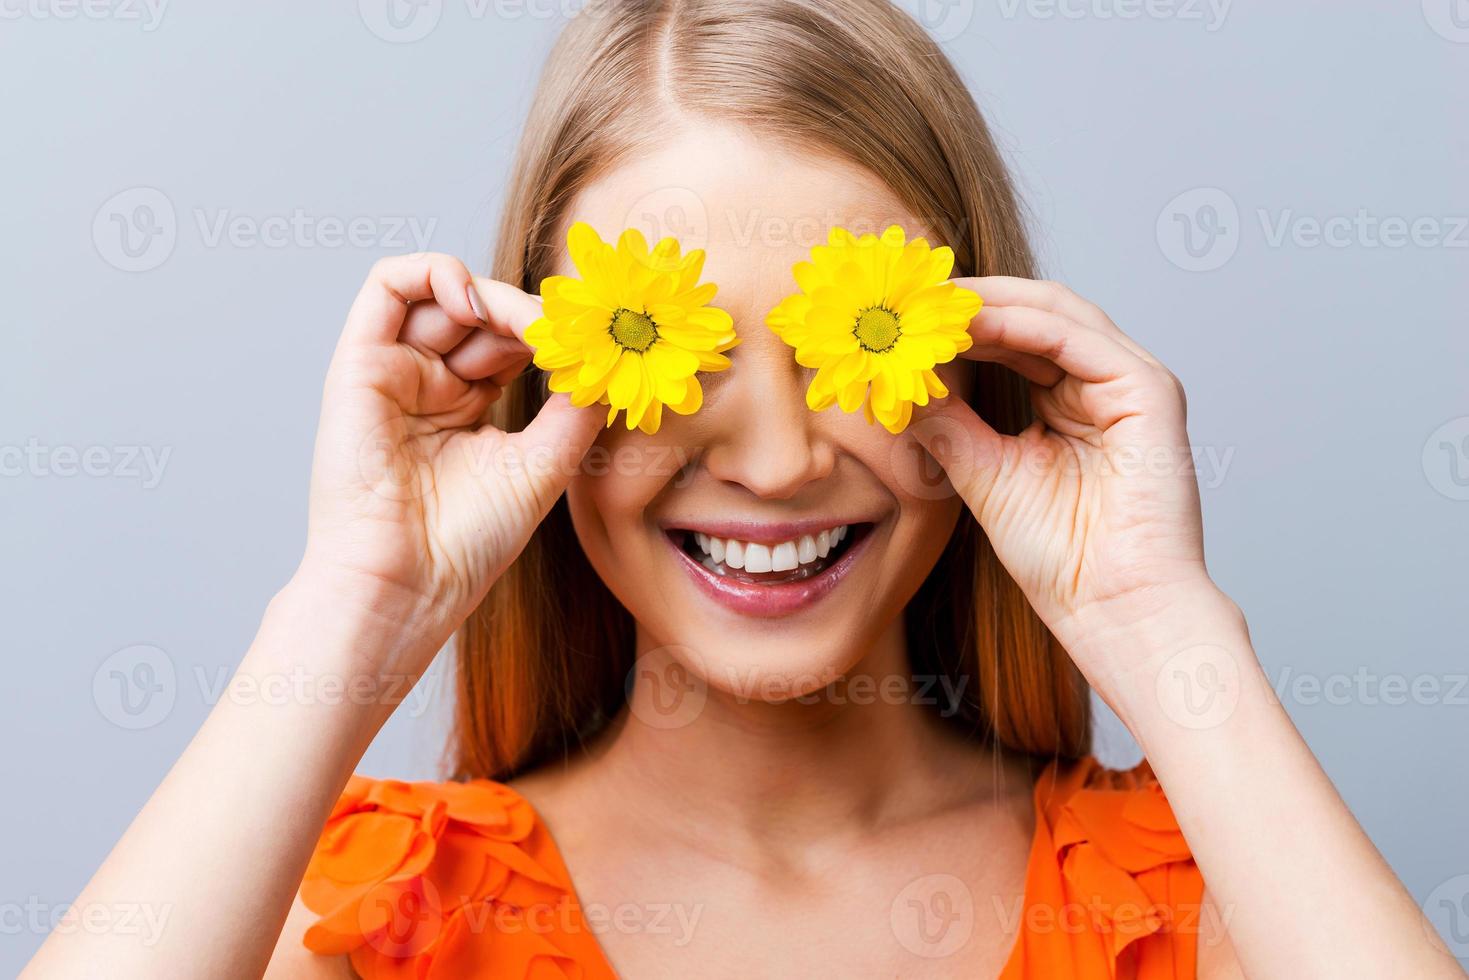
(561, 793)
(293, 960)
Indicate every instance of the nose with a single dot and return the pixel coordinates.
(764, 437)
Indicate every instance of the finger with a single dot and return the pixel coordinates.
(1029, 366)
(1053, 297)
(1082, 353)
(485, 355)
(508, 311)
(556, 441)
(429, 329)
(963, 444)
(381, 307)
(508, 374)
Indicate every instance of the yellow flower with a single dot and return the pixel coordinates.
(874, 316)
(632, 332)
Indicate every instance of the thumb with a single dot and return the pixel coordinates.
(963, 444)
(555, 442)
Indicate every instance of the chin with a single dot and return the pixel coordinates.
(757, 668)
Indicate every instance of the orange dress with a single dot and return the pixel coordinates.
(422, 881)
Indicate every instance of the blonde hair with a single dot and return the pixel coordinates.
(857, 78)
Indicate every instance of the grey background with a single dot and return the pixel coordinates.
(1327, 378)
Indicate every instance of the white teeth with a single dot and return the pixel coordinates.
(786, 556)
(757, 558)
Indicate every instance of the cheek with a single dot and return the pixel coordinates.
(620, 477)
(921, 489)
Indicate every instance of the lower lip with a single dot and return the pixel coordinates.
(769, 601)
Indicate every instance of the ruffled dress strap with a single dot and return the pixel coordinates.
(1112, 890)
(422, 881)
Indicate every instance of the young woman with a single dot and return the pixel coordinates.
(753, 689)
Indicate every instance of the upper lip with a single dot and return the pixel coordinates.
(761, 532)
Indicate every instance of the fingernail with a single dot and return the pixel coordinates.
(476, 304)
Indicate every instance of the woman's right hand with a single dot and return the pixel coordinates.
(417, 503)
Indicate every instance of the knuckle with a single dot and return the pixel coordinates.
(1169, 380)
(1093, 311)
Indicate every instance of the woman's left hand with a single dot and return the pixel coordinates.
(1094, 508)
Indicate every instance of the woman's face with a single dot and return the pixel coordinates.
(754, 477)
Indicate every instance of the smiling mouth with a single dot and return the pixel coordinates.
(734, 560)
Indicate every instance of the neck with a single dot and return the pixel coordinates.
(867, 752)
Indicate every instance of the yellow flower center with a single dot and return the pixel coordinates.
(877, 329)
(632, 330)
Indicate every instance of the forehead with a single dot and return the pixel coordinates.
(756, 206)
